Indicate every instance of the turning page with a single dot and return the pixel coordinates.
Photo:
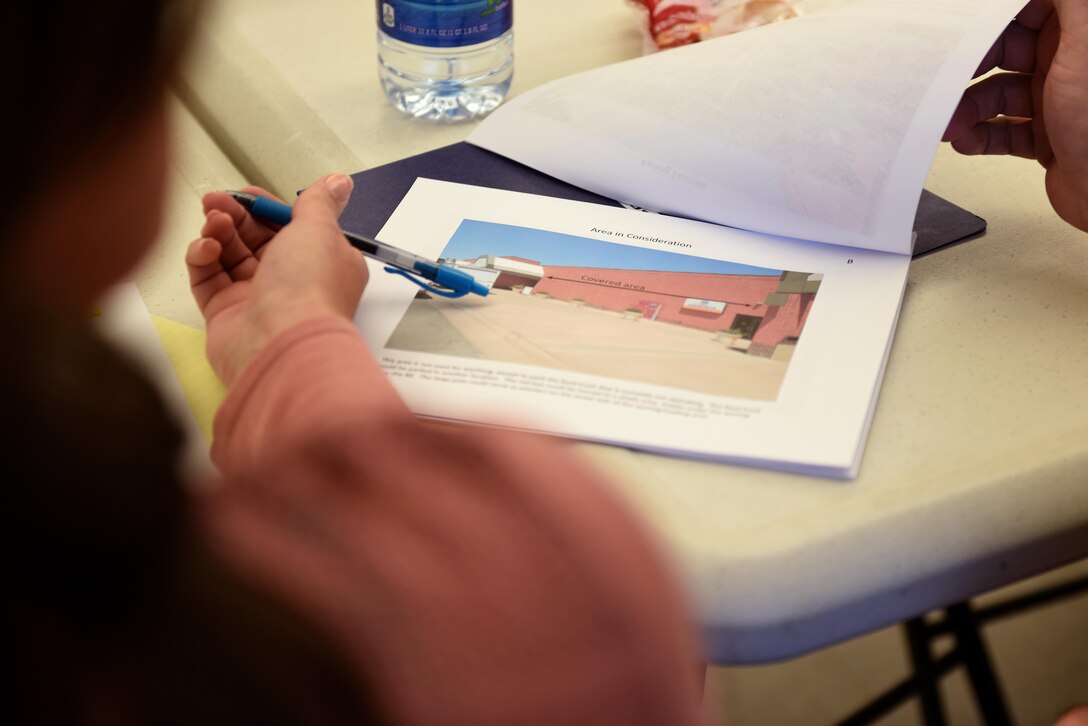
(642, 330)
(821, 127)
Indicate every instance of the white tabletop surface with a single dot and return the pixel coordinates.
(974, 474)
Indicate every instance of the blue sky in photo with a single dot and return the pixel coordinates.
(476, 239)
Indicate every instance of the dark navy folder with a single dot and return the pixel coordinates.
(379, 190)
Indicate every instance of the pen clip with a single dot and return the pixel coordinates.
(429, 288)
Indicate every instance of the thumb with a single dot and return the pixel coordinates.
(324, 199)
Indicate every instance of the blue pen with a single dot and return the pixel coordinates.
(455, 282)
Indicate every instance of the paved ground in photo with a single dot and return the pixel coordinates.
(507, 326)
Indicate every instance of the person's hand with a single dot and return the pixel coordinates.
(1037, 109)
(252, 282)
(1077, 716)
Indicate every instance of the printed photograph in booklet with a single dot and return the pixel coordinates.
(602, 308)
(643, 330)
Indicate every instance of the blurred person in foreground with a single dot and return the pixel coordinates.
(353, 564)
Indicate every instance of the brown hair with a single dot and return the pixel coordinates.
(114, 610)
(75, 72)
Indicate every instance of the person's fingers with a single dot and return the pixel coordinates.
(236, 256)
(203, 253)
(260, 192)
(207, 277)
(325, 199)
(224, 202)
(253, 233)
(220, 201)
(1015, 137)
(340, 269)
(1015, 49)
(1035, 14)
(1003, 94)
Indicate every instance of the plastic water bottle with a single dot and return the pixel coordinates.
(445, 60)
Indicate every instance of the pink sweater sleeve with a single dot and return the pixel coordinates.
(473, 576)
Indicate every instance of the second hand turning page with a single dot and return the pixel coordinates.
(820, 128)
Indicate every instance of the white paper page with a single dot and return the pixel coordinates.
(662, 380)
(821, 127)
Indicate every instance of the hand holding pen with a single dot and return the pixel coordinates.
(447, 281)
(252, 283)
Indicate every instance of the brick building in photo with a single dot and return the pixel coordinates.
(767, 312)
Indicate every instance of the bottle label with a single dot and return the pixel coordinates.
(445, 23)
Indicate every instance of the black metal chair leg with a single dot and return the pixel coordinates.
(891, 699)
(964, 623)
(918, 641)
(988, 695)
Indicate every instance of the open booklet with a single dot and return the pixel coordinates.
(762, 342)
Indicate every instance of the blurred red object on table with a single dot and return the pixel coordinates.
(671, 23)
